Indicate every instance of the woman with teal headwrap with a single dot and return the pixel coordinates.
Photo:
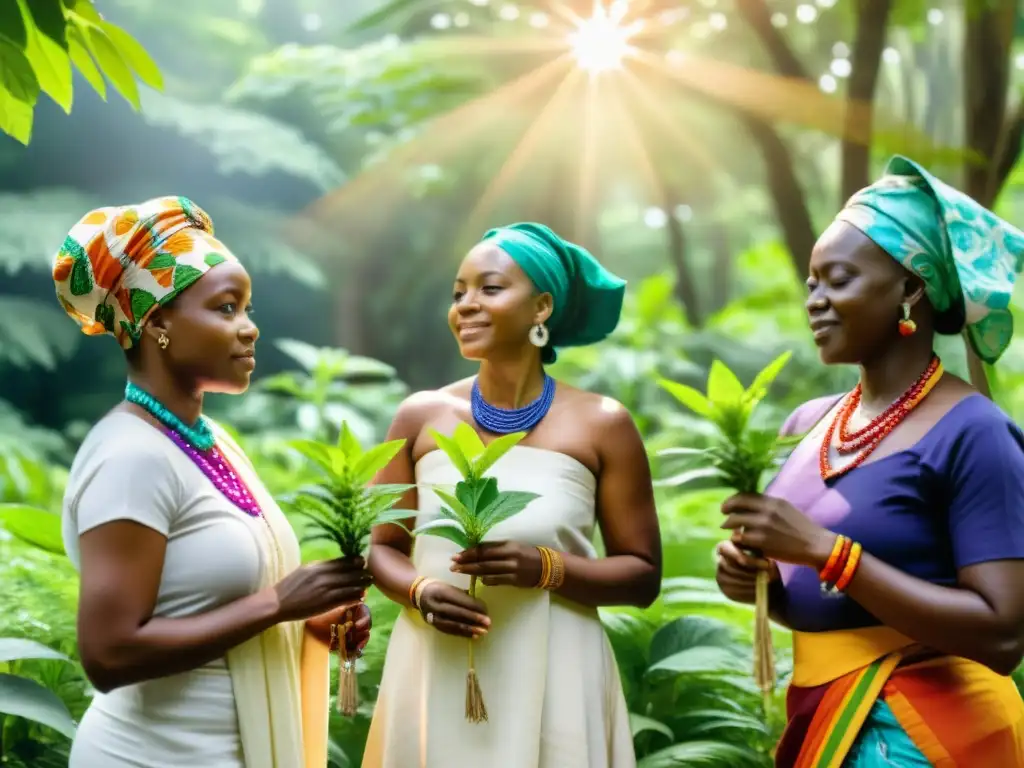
(894, 533)
(553, 693)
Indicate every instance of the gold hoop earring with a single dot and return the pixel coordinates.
(163, 340)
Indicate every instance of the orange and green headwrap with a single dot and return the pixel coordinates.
(118, 264)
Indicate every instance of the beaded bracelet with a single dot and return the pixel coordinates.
(552, 569)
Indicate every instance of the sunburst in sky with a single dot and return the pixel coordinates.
(613, 76)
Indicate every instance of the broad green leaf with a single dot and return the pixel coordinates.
(453, 451)
(445, 529)
(477, 494)
(135, 55)
(113, 66)
(348, 443)
(396, 517)
(26, 698)
(690, 476)
(15, 649)
(688, 396)
(457, 506)
(684, 452)
(324, 456)
(51, 62)
(640, 724)
(78, 49)
(468, 441)
(703, 753)
(507, 504)
(48, 17)
(764, 379)
(495, 450)
(12, 25)
(704, 659)
(375, 459)
(37, 527)
(15, 115)
(724, 388)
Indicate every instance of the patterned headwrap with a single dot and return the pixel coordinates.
(587, 298)
(967, 256)
(118, 264)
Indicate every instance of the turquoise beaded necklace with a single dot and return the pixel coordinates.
(199, 436)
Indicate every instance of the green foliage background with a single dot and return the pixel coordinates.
(333, 147)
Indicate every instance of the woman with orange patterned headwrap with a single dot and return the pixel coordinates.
(203, 635)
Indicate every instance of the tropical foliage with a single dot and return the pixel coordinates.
(349, 152)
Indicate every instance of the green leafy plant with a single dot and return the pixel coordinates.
(738, 456)
(469, 514)
(39, 42)
(343, 508)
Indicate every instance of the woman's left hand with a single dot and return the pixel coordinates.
(358, 634)
(505, 563)
(776, 529)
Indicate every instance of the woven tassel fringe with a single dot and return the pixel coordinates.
(348, 681)
(476, 710)
(764, 653)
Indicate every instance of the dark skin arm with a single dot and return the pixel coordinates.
(456, 612)
(120, 640)
(630, 573)
(982, 618)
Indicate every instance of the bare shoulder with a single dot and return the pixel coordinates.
(421, 408)
(608, 424)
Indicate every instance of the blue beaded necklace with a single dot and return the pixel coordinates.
(502, 421)
(199, 436)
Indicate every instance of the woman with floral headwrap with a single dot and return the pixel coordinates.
(898, 522)
(553, 693)
(203, 634)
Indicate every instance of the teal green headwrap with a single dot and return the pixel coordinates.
(587, 298)
(967, 256)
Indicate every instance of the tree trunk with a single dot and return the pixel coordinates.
(865, 61)
(685, 286)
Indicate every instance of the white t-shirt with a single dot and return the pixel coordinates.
(127, 469)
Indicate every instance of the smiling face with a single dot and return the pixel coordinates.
(494, 305)
(212, 338)
(855, 295)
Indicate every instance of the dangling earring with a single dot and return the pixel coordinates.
(163, 340)
(539, 335)
(906, 325)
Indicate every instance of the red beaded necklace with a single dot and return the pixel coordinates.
(868, 438)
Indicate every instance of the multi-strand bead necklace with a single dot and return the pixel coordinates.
(864, 441)
(197, 442)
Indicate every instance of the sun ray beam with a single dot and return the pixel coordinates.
(517, 158)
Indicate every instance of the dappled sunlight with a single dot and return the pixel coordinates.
(616, 80)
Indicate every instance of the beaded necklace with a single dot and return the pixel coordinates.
(209, 459)
(868, 438)
(502, 421)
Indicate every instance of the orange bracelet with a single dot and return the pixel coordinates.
(840, 564)
(851, 568)
(833, 559)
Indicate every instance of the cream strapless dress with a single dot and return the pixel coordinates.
(546, 668)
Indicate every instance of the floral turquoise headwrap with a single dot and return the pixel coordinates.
(967, 256)
(586, 297)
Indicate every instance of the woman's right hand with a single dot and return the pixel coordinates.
(315, 588)
(737, 572)
(452, 611)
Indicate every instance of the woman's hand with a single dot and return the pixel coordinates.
(504, 563)
(450, 610)
(315, 588)
(357, 636)
(777, 530)
(737, 572)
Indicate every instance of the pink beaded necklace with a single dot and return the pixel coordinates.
(223, 476)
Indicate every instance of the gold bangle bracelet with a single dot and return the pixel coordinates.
(414, 587)
(418, 597)
(557, 571)
(545, 567)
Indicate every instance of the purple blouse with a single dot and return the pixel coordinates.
(954, 499)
